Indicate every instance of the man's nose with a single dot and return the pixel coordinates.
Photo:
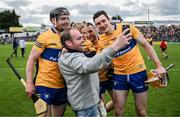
(66, 21)
(101, 24)
(87, 34)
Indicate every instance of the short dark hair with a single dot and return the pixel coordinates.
(65, 37)
(98, 13)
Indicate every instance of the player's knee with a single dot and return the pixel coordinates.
(119, 109)
(119, 112)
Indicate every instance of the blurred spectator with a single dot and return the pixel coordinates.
(1, 38)
(149, 40)
(4, 40)
(15, 47)
(163, 46)
(22, 45)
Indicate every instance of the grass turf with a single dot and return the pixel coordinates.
(14, 102)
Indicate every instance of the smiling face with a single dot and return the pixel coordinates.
(77, 41)
(103, 23)
(61, 22)
(91, 34)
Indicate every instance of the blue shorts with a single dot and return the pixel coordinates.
(52, 95)
(135, 82)
(106, 85)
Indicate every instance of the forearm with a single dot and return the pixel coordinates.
(105, 58)
(90, 65)
(29, 75)
(152, 54)
(29, 70)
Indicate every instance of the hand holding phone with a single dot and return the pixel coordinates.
(124, 27)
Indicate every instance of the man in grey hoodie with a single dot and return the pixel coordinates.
(80, 72)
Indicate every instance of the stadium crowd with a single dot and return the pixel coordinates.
(170, 33)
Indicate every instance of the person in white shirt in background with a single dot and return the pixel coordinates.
(22, 45)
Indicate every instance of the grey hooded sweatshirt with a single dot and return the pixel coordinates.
(81, 77)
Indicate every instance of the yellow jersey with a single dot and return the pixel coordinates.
(48, 72)
(129, 59)
(88, 46)
(95, 44)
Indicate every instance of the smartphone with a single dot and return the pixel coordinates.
(124, 27)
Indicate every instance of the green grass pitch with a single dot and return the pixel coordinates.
(162, 102)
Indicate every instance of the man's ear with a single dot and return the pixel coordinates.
(53, 20)
(108, 18)
(68, 43)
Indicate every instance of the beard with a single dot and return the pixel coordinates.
(63, 28)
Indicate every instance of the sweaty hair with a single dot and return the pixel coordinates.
(98, 13)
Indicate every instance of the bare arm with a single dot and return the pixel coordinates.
(29, 70)
(151, 52)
